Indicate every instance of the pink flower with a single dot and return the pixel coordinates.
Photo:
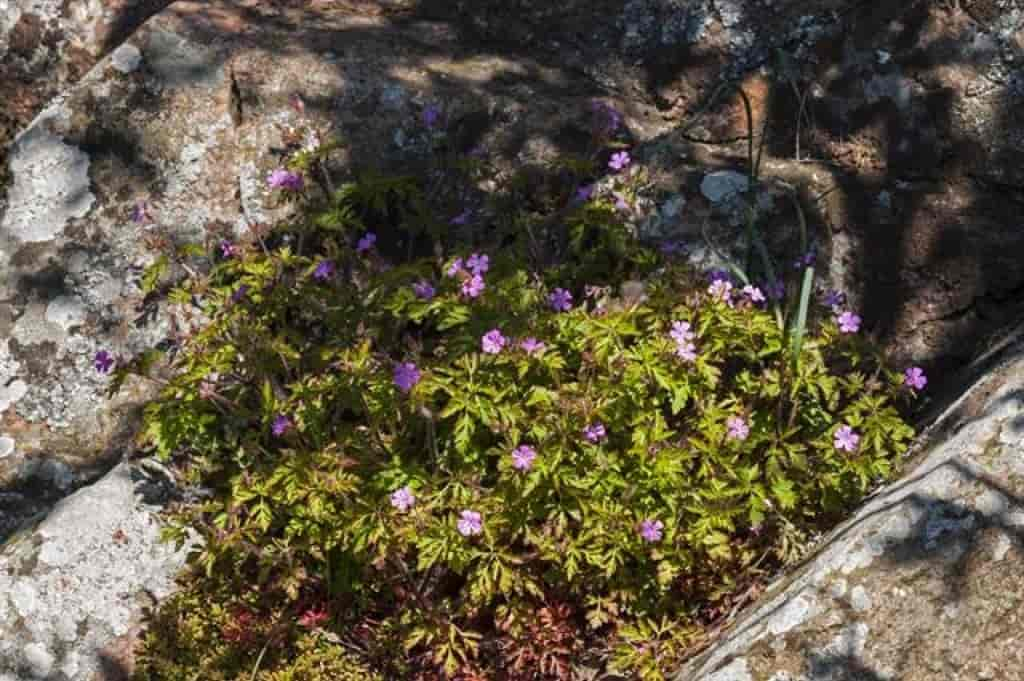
(478, 264)
(561, 300)
(228, 249)
(721, 289)
(470, 523)
(619, 160)
(584, 193)
(651, 530)
(455, 268)
(738, 428)
(683, 335)
(753, 294)
(846, 439)
(103, 362)
(140, 213)
(423, 290)
(406, 376)
(914, 378)
(493, 342)
(522, 457)
(681, 332)
(473, 287)
(432, 116)
(366, 243)
(848, 322)
(531, 345)
(686, 352)
(281, 425)
(285, 179)
(595, 432)
(324, 270)
(403, 499)
(834, 299)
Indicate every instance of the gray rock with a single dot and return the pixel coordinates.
(723, 184)
(126, 58)
(69, 587)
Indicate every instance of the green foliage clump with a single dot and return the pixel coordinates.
(362, 440)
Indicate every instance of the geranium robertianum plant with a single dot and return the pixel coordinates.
(423, 459)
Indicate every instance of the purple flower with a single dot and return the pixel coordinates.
(431, 116)
(619, 160)
(228, 249)
(754, 294)
(403, 499)
(561, 300)
(620, 203)
(531, 345)
(281, 425)
(584, 193)
(721, 290)
(493, 342)
(681, 332)
(719, 275)
(651, 530)
(140, 213)
(595, 432)
(686, 352)
(683, 335)
(914, 378)
(406, 376)
(776, 290)
(606, 119)
(239, 294)
(455, 268)
(738, 428)
(463, 217)
(324, 270)
(805, 260)
(834, 299)
(473, 287)
(846, 439)
(366, 243)
(285, 179)
(424, 290)
(522, 457)
(478, 264)
(848, 322)
(470, 523)
(103, 361)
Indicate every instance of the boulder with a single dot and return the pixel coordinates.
(76, 582)
(925, 582)
(47, 45)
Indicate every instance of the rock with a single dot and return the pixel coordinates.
(723, 184)
(47, 45)
(77, 581)
(935, 564)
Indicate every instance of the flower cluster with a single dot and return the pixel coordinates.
(683, 335)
